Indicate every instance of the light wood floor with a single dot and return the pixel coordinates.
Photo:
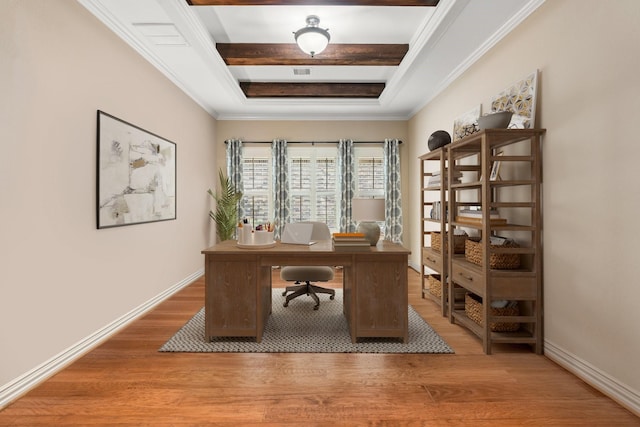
(127, 382)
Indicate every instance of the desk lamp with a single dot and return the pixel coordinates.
(367, 212)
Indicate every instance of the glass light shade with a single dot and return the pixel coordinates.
(312, 40)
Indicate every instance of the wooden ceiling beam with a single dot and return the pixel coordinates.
(311, 90)
(290, 54)
(430, 3)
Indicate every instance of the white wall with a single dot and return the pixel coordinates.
(61, 279)
(588, 55)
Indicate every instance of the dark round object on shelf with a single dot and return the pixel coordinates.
(438, 139)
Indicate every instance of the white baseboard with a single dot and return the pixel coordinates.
(21, 385)
(593, 376)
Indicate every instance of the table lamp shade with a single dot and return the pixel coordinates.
(367, 212)
(367, 209)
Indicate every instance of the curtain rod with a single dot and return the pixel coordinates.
(313, 142)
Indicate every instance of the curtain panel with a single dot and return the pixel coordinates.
(392, 192)
(346, 171)
(234, 169)
(281, 193)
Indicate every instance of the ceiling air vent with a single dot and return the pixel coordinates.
(161, 34)
(302, 71)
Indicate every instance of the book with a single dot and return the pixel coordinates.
(362, 242)
(478, 221)
(352, 248)
(345, 237)
(477, 214)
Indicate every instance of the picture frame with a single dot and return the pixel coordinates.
(467, 123)
(495, 168)
(135, 176)
(519, 98)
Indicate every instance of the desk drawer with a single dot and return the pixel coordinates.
(432, 259)
(469, 278)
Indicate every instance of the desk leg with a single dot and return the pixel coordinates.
(379, 297)
(349, 302)
(237, 297)
(263, 290)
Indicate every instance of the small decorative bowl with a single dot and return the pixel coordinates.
(499, 120)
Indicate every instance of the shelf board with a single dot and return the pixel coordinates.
(495, 227)
(518, 337)
(432, 220)
(461, 317)
(472, 185)
(518, 272)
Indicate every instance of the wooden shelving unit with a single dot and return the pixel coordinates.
(434, 262)
(516, 194)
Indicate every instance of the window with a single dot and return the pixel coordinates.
(313, 178)
(369, 171)
(256, 178)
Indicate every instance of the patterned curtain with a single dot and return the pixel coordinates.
(392, 196)
(234, 169)
(281, 199)
(347, 184)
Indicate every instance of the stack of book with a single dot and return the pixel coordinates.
(474, 216)
(435, 179)
(350, 242)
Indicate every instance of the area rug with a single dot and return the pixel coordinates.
(301, 329)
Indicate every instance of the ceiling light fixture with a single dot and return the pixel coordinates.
(312, 39)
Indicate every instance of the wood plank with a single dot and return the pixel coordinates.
(429, 3)
(126, 381)
(290, 54)
(311, 90)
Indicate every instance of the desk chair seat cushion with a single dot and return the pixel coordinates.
(298, 273)
(308, 274)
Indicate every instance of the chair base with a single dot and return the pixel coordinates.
(307, 289)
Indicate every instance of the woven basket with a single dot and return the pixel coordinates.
(473, 254)
(473, 310)
(435, 285)
(458, 242)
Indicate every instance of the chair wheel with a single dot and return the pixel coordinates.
(284, 294)
(286, 304)
(332, 297)
(315, 307)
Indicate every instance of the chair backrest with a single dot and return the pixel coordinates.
(320, 231)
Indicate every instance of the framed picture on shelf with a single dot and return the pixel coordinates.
(495, 168)
(520, 98)
(136, 174)
(466, 123)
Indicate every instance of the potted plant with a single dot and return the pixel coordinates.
(226, 213)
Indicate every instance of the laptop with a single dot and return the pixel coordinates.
(297, 233)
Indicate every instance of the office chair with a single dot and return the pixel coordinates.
(308, 274)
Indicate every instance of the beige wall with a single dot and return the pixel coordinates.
(61, 279)
(322, 131)
(587, 54)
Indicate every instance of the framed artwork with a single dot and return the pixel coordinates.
(136, 174)
(495, 168)
(467, 123)
(520, 98)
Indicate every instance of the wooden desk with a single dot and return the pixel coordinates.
(238, 287)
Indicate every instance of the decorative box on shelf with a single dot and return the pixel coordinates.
(435, 285)
(473, 254)
(473, 310)
(459, 238)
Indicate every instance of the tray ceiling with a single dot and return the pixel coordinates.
(238, 59)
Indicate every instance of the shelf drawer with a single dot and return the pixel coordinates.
(432, 259)
(467, 277)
